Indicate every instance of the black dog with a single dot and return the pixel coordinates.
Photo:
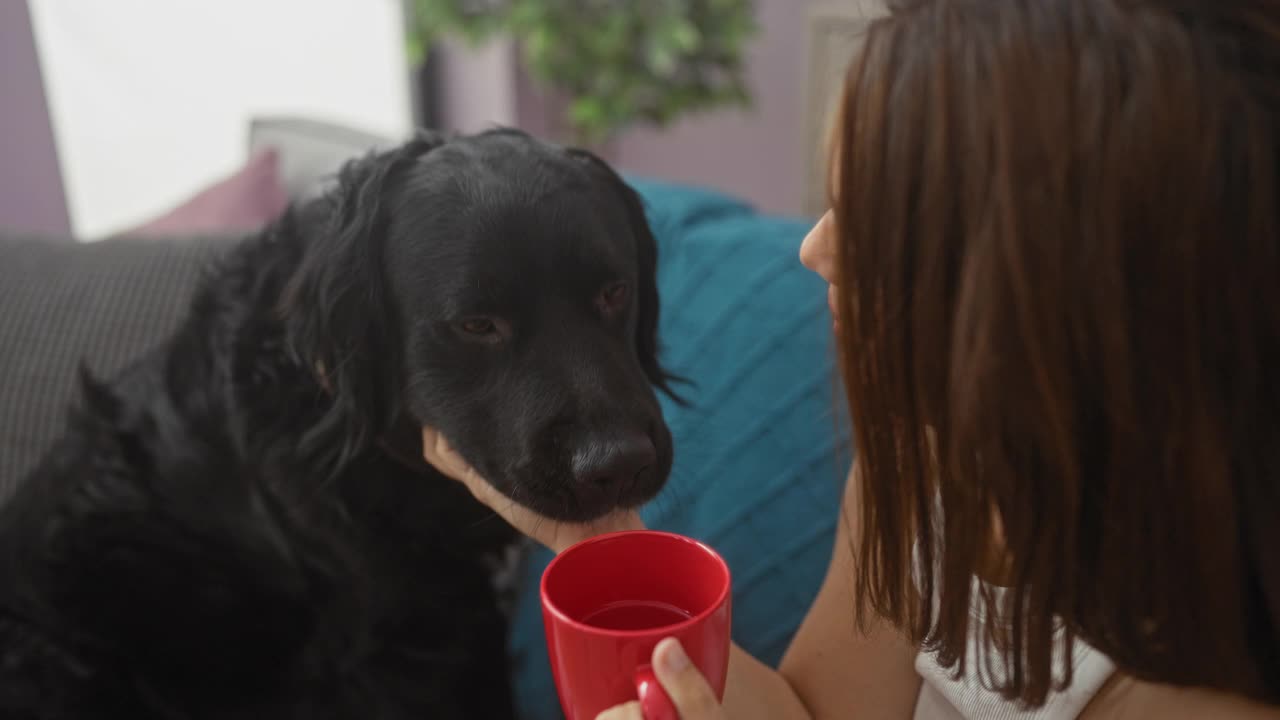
(241, 524)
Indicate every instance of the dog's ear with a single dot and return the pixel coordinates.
(100, 413)
(98, 403)
(336, 309)
(647, 345)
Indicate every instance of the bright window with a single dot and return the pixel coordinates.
(151, 101)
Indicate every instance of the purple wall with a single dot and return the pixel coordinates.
(758, 153)
(31, 193)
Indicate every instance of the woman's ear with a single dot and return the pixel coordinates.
(335, 307)
(646, 340)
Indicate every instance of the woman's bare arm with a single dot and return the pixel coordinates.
(831, 670)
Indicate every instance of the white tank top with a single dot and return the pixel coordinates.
(942, 697)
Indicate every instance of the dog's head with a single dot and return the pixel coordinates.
(502, 290)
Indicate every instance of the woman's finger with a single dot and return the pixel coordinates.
(437, 451)
(630, 711)
(688, 689)
(433, 452)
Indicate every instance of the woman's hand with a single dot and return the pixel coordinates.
(687, 688)
(554, 534)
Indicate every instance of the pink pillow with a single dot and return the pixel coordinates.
(244, 201)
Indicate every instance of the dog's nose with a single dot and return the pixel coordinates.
(609, 462)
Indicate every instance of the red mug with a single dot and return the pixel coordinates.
(607, 601)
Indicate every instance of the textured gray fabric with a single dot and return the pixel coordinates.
(62, 303)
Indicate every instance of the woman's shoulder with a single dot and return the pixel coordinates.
(1123, 697)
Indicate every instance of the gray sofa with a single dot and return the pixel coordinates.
(103, 303)
(68, 303)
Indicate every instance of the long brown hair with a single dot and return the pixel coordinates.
(1060, 272)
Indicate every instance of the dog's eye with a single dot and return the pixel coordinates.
(483, 329)
(614, 298)
(479, 326)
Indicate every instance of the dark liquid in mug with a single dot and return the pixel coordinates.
(636, 615)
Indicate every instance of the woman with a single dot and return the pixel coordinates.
(1054, 256)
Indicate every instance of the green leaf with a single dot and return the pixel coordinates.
(620, 62)
(539, 42)
(587, 111)
(415, 50)
(686, 36)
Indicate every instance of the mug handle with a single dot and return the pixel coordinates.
(655, 704)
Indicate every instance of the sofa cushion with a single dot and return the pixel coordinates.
(102, 303)
(760, 456)
(244, 201)
(311, 151)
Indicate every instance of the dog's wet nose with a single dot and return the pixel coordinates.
(613, 461)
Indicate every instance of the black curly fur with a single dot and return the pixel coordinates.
(238, 526)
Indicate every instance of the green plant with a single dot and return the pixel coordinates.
(617, 62)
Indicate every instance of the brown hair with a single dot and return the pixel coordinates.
(1060, 271)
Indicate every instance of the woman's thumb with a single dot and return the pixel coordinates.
(689, 690)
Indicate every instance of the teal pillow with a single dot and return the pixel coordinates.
(761, 449)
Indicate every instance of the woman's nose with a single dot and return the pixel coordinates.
(817, 252)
